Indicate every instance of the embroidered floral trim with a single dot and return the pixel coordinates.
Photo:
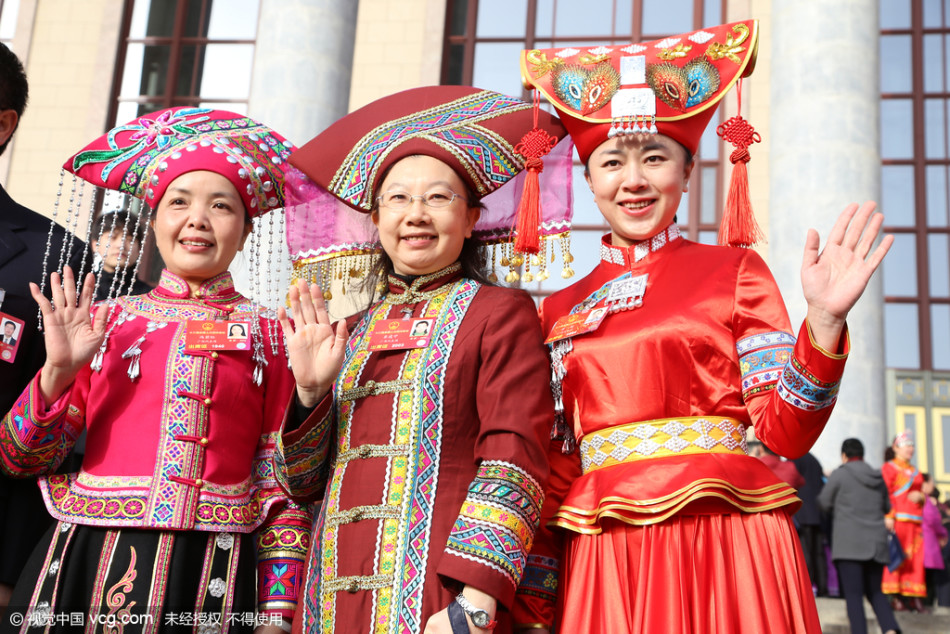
(498, 519)
(540, 578)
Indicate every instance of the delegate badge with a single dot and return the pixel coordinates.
(400, 334)
(10, 330)
(577, 324)
(206, 334)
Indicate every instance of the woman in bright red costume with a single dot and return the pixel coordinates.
(904, 482)
(658, 521)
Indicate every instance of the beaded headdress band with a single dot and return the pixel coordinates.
(670, 86)
(131, 166)
(495, 144)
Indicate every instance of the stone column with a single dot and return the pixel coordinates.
(303, 62)
(824, 154)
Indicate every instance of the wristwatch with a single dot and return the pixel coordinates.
(479, 617)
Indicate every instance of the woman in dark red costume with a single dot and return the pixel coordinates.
(658, 521)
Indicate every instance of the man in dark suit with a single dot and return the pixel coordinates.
(808, 520)
(23, 239)
(9, 329)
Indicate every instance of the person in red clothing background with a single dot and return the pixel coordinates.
(904, 483)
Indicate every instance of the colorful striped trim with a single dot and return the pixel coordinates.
(498, 519)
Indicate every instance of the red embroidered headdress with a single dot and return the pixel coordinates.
(670, 86)
(479, 133)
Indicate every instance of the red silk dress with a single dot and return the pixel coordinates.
(659, 521)
(901, 479)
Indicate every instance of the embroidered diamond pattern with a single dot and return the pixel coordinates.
(647, 448)
(706, 442)
(640, 251)
(729, 442)
(633, 49)
(598, 442)
(567, 52)
(600, 50)
(618, 437)
(598, 457)
(701, 37)
(620, 453)
(644, 432)
(673, 428)
(667, 43)
(676, 444)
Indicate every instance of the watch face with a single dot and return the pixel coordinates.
(480, 618)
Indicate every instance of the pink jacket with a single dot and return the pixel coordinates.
(934, 531)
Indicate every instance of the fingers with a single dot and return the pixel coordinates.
(316, 296)
(878, 256)
(857, 225)
(284, 320)
(871, 230)
(307, 314)
(88, 288)
(56, 290)
(69, 285)
(810, 256)
(341, 337)
(45, 307)
(840, 228)
(100, 318)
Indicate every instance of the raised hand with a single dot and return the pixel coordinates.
(72, 336)
(835, 278)
(316, 349)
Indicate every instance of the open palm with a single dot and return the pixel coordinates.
(72, 336)
(316, 348)
(834, 279)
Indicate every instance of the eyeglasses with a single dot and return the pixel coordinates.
(401, 200)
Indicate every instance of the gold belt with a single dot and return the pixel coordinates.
(662, 438)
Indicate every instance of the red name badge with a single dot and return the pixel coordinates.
(577, 324)
(400, 334)
(11, 330)
(203, 334)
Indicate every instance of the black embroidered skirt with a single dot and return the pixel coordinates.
(92, 579)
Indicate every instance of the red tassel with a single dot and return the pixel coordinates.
(535, 144)
(738, 227)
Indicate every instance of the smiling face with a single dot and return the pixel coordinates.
(421, 239)
(637, 182)
(200, 225)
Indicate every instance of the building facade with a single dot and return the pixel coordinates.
(850, 98)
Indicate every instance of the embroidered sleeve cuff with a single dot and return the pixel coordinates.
(300, 460)
(282, 555)
(33, 440)
(495, 529)
(540, 578)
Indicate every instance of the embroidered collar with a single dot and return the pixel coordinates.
(423, 287)
(626, 256)
(218, 287)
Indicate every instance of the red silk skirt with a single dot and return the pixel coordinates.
(692, 574)
(909, 578)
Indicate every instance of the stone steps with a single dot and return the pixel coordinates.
(834, 619)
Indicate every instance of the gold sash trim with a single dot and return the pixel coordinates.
(662, 438)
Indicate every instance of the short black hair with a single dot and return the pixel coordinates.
(127, 221)
(852, 448)
(14, 89)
